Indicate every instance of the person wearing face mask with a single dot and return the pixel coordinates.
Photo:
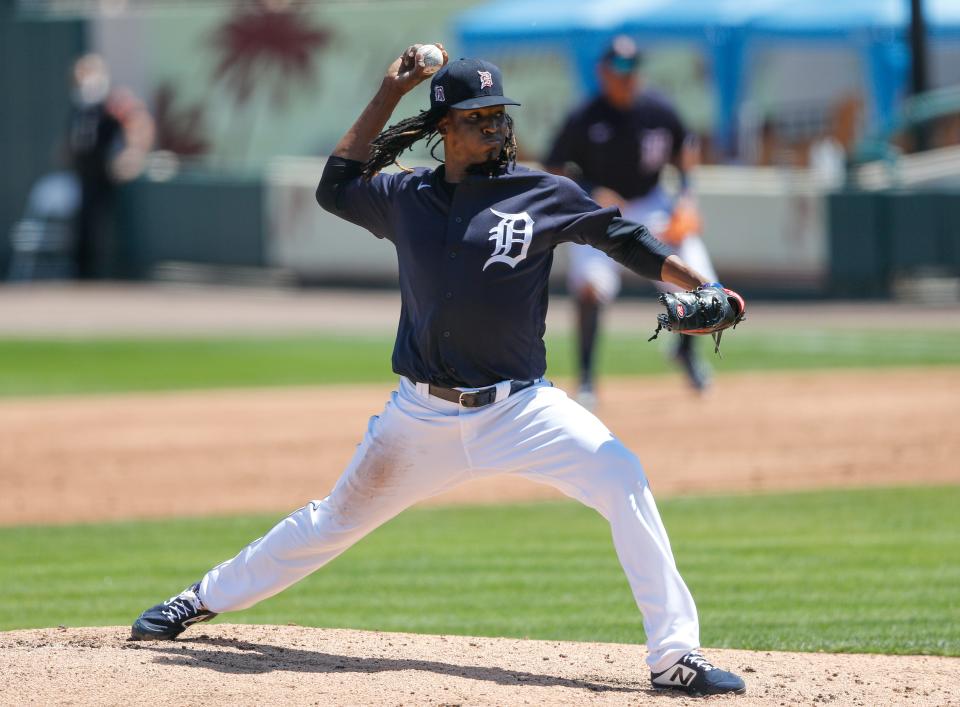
(108, 137)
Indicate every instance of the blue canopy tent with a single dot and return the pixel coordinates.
(876, 29)
(729, 32)
(583, 29)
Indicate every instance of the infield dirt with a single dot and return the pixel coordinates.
(88, 458)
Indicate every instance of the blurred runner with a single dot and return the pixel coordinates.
(615, 145)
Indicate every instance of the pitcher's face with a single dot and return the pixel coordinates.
(475, 135)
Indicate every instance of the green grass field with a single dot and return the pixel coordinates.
(855, 571)
(37, 367)
(851, 571)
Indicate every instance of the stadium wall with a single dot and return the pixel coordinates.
(35, 60)
(885, 243)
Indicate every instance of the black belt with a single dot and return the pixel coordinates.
(476, 398)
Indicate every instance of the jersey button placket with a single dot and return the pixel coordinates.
(455, 232)
(449, 277)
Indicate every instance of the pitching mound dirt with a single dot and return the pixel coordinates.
(256, 665)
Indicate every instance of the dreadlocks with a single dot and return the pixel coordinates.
(392, 142)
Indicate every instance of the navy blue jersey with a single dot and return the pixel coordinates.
(474, 262)
(621, 150)
(92, 138)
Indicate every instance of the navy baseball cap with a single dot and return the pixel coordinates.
(468, 83)
(622, 56)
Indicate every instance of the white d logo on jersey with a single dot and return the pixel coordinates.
(506, 235)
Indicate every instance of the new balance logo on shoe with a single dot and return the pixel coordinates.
(682, 676)
(695, 675)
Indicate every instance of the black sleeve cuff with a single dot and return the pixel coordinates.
(337, 172)
(634, 247)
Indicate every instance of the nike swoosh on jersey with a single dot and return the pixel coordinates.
(423, 185)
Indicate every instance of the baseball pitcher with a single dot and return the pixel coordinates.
(474, 241)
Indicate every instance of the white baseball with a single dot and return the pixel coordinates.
(430, 57)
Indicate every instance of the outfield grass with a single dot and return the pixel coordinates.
(38, 367)
(849, 571)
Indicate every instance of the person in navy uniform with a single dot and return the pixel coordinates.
(616, 145)
(474, 240)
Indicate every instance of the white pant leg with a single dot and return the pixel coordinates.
(653, 210)
(411, 451)
(543, 435)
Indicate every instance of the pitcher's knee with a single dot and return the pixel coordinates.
(322, 525)
(619, 475)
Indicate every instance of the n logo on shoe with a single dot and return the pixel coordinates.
(682, 676)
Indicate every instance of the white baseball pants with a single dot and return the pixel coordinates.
(422, 445)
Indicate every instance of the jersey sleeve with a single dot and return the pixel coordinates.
(630, 244)
(579, 218)
(634, 247)
(368, 204)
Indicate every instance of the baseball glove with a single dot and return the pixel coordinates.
(709, 309)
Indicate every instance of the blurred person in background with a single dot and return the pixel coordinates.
(616, 145)
(109, 135)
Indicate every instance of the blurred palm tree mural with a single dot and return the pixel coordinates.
(265, 49)
(267, 41)
(180, 129)
(236, 83)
